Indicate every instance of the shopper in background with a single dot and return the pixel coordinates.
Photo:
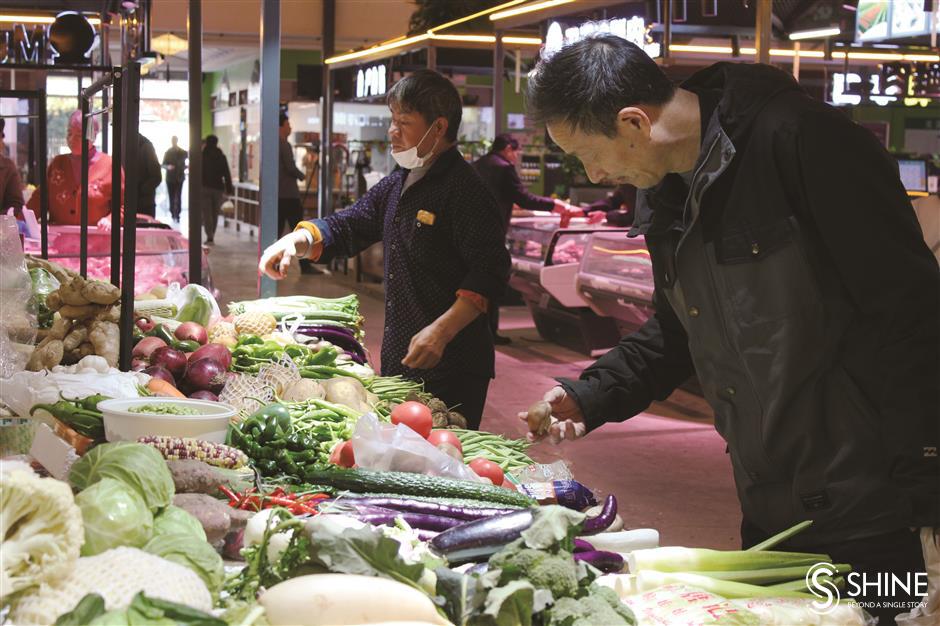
(216, 182)
(813, 333)
(289, 210)
(64, 177)
(11, 185)
(174, 161)
(618, 206)
(445, 253)
(497, 168)
(148, 177)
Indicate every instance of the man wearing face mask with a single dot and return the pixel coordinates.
(445, 254)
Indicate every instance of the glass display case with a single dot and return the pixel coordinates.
(615, 277)
(162, 255)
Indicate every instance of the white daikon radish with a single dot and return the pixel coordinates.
(625, 540)
(343, 599)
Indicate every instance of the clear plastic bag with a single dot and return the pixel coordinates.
(17, 323)
(929, 613)
(384, 447)
(181, 296)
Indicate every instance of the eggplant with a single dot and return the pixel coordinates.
(420, 521)
(482, 538)
(607, 562)
(345, 340)
(419, 506)
(602, 522)
(580, 545)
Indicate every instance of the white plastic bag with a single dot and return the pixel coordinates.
(181, 296)
(17, 322)
(929, 613)
(384, 447)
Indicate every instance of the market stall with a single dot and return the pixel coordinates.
(253, 467)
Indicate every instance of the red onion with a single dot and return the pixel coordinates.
(215, 351)
(139, 364)
(146, 346)
(205, 374)
(192, 331)
(145, 324)
(158, 371)
(204, 394)
(170, 358)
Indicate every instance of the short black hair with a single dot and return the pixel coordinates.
(283, 118)
(431, 95)
(212, 141)
(3, 124)
(501, 141)
(587, 83)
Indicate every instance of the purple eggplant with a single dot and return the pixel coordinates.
(607, 562)
(480, 539)
(420, 506)
(415, 520)
(346, 341)
(580, 545)
(602, 522)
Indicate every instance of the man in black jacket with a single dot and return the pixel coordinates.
(790, 276)
(216, 182)
(445, 252)
(149, 177)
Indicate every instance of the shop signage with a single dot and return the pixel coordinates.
(879, 20)
(370, 81)
(69, 39)
(632, 29)
(911, 84)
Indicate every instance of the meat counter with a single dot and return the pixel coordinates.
(615, 278)
(545, 261)
(162, 255)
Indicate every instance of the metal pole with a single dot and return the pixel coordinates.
(432, 56)
(498, 64)
(270, 140)
(117, 196)
(42, 182)
(667, 26)
(131, 111)
(83, 216)
(762, 30)
(325, 188)
(194, 31)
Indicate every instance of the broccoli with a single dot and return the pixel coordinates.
(556, 572)
(601, 606)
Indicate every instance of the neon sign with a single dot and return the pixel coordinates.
(633, 30)
(370, 81)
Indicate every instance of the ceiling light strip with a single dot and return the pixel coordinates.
(529, 8)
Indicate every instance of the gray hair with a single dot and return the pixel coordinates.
(431, 95)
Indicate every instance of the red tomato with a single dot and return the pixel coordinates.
(415, 416)
(342, 455)
(487, 469)
(437, 437)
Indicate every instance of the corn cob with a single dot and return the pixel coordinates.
(188, 449)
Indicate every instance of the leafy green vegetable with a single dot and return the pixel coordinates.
(510, 605)
(90, 611)
(461, 596)
(174, 520)
(43, 283)
(114, 515)
(137, 465)
(601, 606)
(191, 552)
(553, 526)
(558, 573)
(365, 551)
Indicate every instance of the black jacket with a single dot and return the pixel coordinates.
(794, 280)
(502, 180)
(215, 172)
(149, 174)
(443, 234)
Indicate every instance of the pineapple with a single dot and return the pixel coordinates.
(255, 324)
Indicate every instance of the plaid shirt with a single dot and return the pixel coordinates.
(443, 234)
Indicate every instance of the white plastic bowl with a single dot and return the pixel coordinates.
(122, 424)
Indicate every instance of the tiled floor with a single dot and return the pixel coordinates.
(667, 466)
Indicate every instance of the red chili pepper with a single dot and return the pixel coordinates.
(233, 498)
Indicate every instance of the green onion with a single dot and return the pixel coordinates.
(647, 580)
(768, 575)
(781, 537)
(678, 559)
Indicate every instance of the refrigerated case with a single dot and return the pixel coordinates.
(615, 278)
(545, 262)
(162, 255)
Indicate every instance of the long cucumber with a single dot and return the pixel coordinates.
(404, 483)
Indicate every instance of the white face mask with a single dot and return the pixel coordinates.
(409, 158)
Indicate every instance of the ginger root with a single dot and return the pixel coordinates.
(71, 292)
(60, 327)
(79, 312)
(54, 301)
(110, 314)
(100, 292)
(47, 355)
(75, 338)
(106, 337)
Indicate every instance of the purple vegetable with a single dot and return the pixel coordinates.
(344, 340)
(425, 535)
(480, 539)
(432, 508)
(580, 545)
(602, 522)
(415, 520)
(607, 562)
(205, 374)
(158, 371)
(326, 325)
(203, 394)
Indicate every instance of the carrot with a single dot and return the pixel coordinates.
(160, 387)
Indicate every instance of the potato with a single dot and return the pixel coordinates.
(339, 599)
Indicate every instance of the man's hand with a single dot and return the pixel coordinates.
(567, 420)
(427, 347)
(279, 256)
(104, 224)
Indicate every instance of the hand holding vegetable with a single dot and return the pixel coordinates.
(565, 420)
(278, 257)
